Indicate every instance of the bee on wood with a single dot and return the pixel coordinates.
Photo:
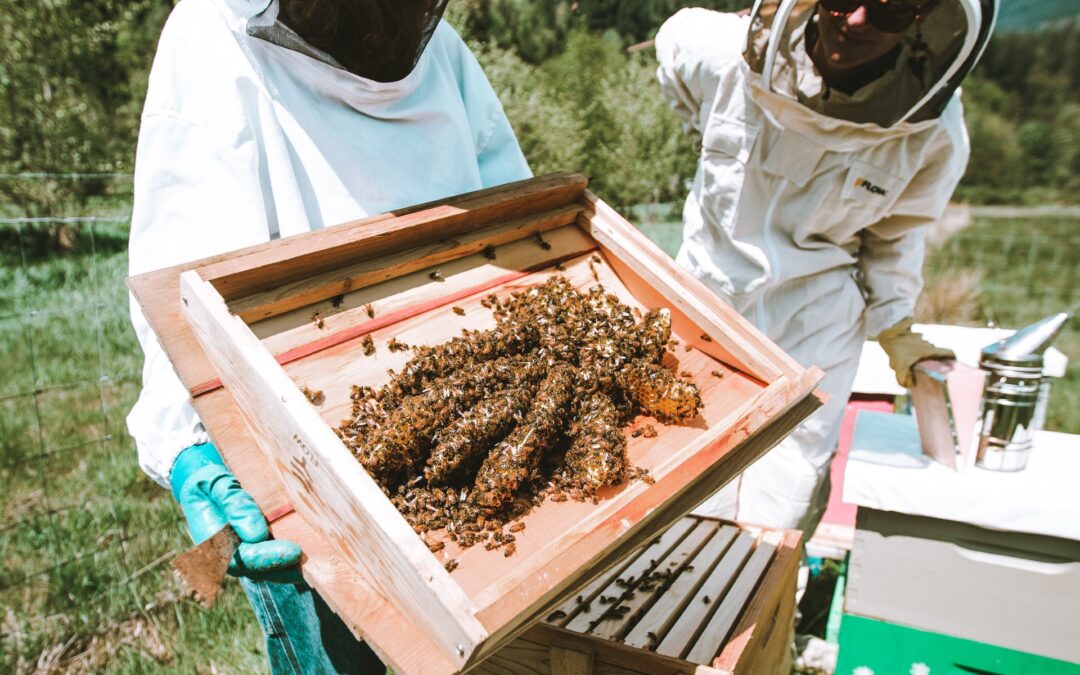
(368, 345)
(451, 565)
(489, 252)
(706, 338)
(686, 374)
(437, 275)
(517, 527)
(561, 267)
(653, 641)
(460, 311)
(510, 550)
(336, 301)
(317, 319)
(315, 397)
(436, 546)
(543, 244)
(706, 600)
(396, 345)
(688, 347)
(717, 374)
(369, 310)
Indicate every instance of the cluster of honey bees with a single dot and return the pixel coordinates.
(474, 432)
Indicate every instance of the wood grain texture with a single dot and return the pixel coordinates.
(640, 566)
(761, 640)
(398, 297)
(669, 606)
(325, 483)
(631, 603)
(570, 661)
(295, 336)
(730, 607)
(686, 629)
(313, 253)
(617, 657)
(317, 287)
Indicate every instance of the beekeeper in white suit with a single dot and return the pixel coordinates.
(265, 119)
(830, 134)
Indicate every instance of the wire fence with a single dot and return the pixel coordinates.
(85, 536)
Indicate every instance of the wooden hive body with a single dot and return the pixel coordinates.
(255, 326)
(717, 598)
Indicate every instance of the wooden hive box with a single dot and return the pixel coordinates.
(290, 314)
(707, 597)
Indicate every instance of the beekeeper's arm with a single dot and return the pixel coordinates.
(892, 251)
(695, 47)
(195, 195)
(497, 151)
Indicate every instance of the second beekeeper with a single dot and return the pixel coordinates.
(830, 133)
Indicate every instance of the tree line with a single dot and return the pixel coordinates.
(73, 76)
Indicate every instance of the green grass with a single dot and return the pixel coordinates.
(1022, 270)
(85, 537)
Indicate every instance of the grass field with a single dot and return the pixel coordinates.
(85, 537)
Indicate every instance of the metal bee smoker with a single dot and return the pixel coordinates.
(1014, 401)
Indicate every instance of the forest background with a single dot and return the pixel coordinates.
(73, 76)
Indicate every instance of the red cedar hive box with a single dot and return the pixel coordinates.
(291, 314)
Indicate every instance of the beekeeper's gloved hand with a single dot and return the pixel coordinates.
(210, 497)
(906, 348)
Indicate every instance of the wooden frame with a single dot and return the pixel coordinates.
(731, 609)
(453, 620)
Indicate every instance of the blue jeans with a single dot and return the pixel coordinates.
(303, 635)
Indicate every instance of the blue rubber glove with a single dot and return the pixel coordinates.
(210, 497)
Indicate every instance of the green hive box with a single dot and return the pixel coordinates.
(869, 647)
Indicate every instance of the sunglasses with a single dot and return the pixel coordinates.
(888, 16)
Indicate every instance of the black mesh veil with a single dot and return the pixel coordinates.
(381, 40)
(913, 81)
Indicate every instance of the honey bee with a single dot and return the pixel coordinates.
(474, 432)
(369, 310)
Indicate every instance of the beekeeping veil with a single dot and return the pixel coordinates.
(917, 77)
(380, 40)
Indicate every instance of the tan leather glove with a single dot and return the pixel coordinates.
(906, 348)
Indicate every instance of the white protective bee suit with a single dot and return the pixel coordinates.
(808, 207)
(250, 134)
